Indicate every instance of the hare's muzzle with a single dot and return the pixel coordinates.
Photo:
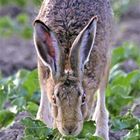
(70, 128)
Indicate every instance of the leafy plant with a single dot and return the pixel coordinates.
(20, 92)
(19, 2)
(121, 6)
(39, 131)
(20, 24)
(128, 121)
(134, 134)
(6, 117)
(128, 50)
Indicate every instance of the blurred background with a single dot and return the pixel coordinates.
(16, 44)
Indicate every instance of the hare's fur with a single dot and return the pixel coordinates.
(67, 18)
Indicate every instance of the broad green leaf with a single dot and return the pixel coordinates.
(127, 51)
(127, 121)
(91, 137)
(30, 137)
(21, 2)
(3, 97)
(117, 99)
(134, 134)
(20, 77)
(36, 128)
(6, 26)
(118, 55)
(88, 128)
(6, 117)
(23, 18)
(31, 83)
(115, 71)
(32, 108)
(27, 32)
(20, 103)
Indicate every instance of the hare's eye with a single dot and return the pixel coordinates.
(54, 99)
(83, 98)
(57, 94)
(79, 93)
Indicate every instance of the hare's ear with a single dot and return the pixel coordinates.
(82, 47)
(47, 48)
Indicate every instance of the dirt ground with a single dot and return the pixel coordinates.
(17, 53)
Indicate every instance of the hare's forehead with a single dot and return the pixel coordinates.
(70, 87)
(73, 87)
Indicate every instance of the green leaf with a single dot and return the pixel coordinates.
(32, 108)
(127, 121)
(21, 2)
(6, 26)
(118, 55)
(37, 128)
(31, 83)
(22, 18)
(27, 32)
(3, 97)
(20, 103)
(20, 77)
(115, 71)
(91, 137)
(88, 128)
(6, 117)
(126, 51)
(134, 134)
(117, 98)
(30, 137)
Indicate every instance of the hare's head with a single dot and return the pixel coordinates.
(68, 97)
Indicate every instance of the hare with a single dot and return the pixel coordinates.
(73, 44)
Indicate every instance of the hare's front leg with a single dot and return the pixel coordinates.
(44, 112)
(101, 117)
(101, 114)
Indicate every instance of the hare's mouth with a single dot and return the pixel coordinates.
(69, 121)
(70, 131)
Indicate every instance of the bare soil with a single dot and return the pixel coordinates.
(16, 52)
(15, 131)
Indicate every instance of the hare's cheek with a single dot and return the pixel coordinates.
(54, 111)
(84, 110)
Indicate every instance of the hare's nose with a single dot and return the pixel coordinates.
(70, 129)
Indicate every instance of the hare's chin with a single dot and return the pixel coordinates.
(65, 133)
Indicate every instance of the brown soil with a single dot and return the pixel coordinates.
(16, 52)
(15, 131)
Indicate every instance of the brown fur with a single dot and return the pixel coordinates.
(67, 19)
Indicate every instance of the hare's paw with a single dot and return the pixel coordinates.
(102, 134)
(102, 128)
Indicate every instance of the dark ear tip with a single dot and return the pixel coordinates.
(94, 18)
(41, 25)
(38, 22)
